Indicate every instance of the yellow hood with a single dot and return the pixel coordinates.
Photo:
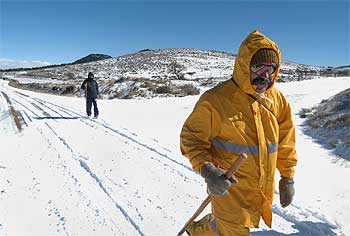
(241, 71)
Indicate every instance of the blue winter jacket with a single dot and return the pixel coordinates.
(91, 88)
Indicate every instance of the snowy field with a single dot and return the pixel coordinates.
(123, 174)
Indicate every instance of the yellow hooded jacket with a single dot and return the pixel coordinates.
(226, 121)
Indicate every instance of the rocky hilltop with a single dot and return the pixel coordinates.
(91, 58)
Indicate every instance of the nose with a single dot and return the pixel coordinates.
(265, 75)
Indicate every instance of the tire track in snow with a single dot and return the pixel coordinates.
(144, 145)
(112, 130)
(33, 104)
(321, 227)
(42, 104)
(30, 110)
(41, 107)
(79, 158)
(124, 135)
(108, 127)
(299, 211)
(27, 108)
(154, 150)
(70, 174)
(85, 166)
(28, 117)
(163, 159)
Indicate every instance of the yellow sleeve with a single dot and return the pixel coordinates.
(200, 127)
(287, 156)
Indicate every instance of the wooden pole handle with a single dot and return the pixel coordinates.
(234, 167)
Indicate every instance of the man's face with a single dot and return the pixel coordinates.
(261, 76)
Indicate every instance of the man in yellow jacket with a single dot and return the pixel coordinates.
(245, 114)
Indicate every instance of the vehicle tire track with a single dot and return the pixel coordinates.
(76, 183)
(42, 104)
(304, 226)
(48, 107)
(79, 158)
(86, 167)
(112, 131)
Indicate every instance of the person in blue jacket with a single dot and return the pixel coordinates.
(91, 92)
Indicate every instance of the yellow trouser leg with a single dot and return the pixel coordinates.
(208, 226)
(230, 229)
(203, 227)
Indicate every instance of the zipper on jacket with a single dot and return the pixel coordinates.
(253, 97)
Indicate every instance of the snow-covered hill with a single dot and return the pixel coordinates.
(123, 174)
(150, 73)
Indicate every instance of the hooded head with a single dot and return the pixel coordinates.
(262, 68)
(255, 49)
(91, 75)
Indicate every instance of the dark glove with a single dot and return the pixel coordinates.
(217, 183)
(286, 187)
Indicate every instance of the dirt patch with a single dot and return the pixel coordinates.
(17, 116)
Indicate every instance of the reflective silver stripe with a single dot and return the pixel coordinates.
(239, 148)
(235, 147)
(213, 225)
(272, 147)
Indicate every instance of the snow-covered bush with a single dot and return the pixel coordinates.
(330, 123)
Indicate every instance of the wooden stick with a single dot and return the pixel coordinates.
(234, 167)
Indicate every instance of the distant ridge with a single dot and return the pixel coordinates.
(91, 58)
(88, 58)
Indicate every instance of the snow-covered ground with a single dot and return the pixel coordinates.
(123, 174)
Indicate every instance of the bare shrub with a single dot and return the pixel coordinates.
(321, 114)
(56, 89)
(341, 105)
(332, 124)
(346, 140)
(343, 117)
(189, 89)
(335, 106)
(148, 84)
(115, 94)
(333, 142)
(176, 68)
(70, 89)
(70, 76)
(164, 89)
(131, 93)
(304, 112)
(314, 123)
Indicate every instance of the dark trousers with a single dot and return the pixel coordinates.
(89, 102)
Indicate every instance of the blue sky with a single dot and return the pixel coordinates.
(313, 32)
